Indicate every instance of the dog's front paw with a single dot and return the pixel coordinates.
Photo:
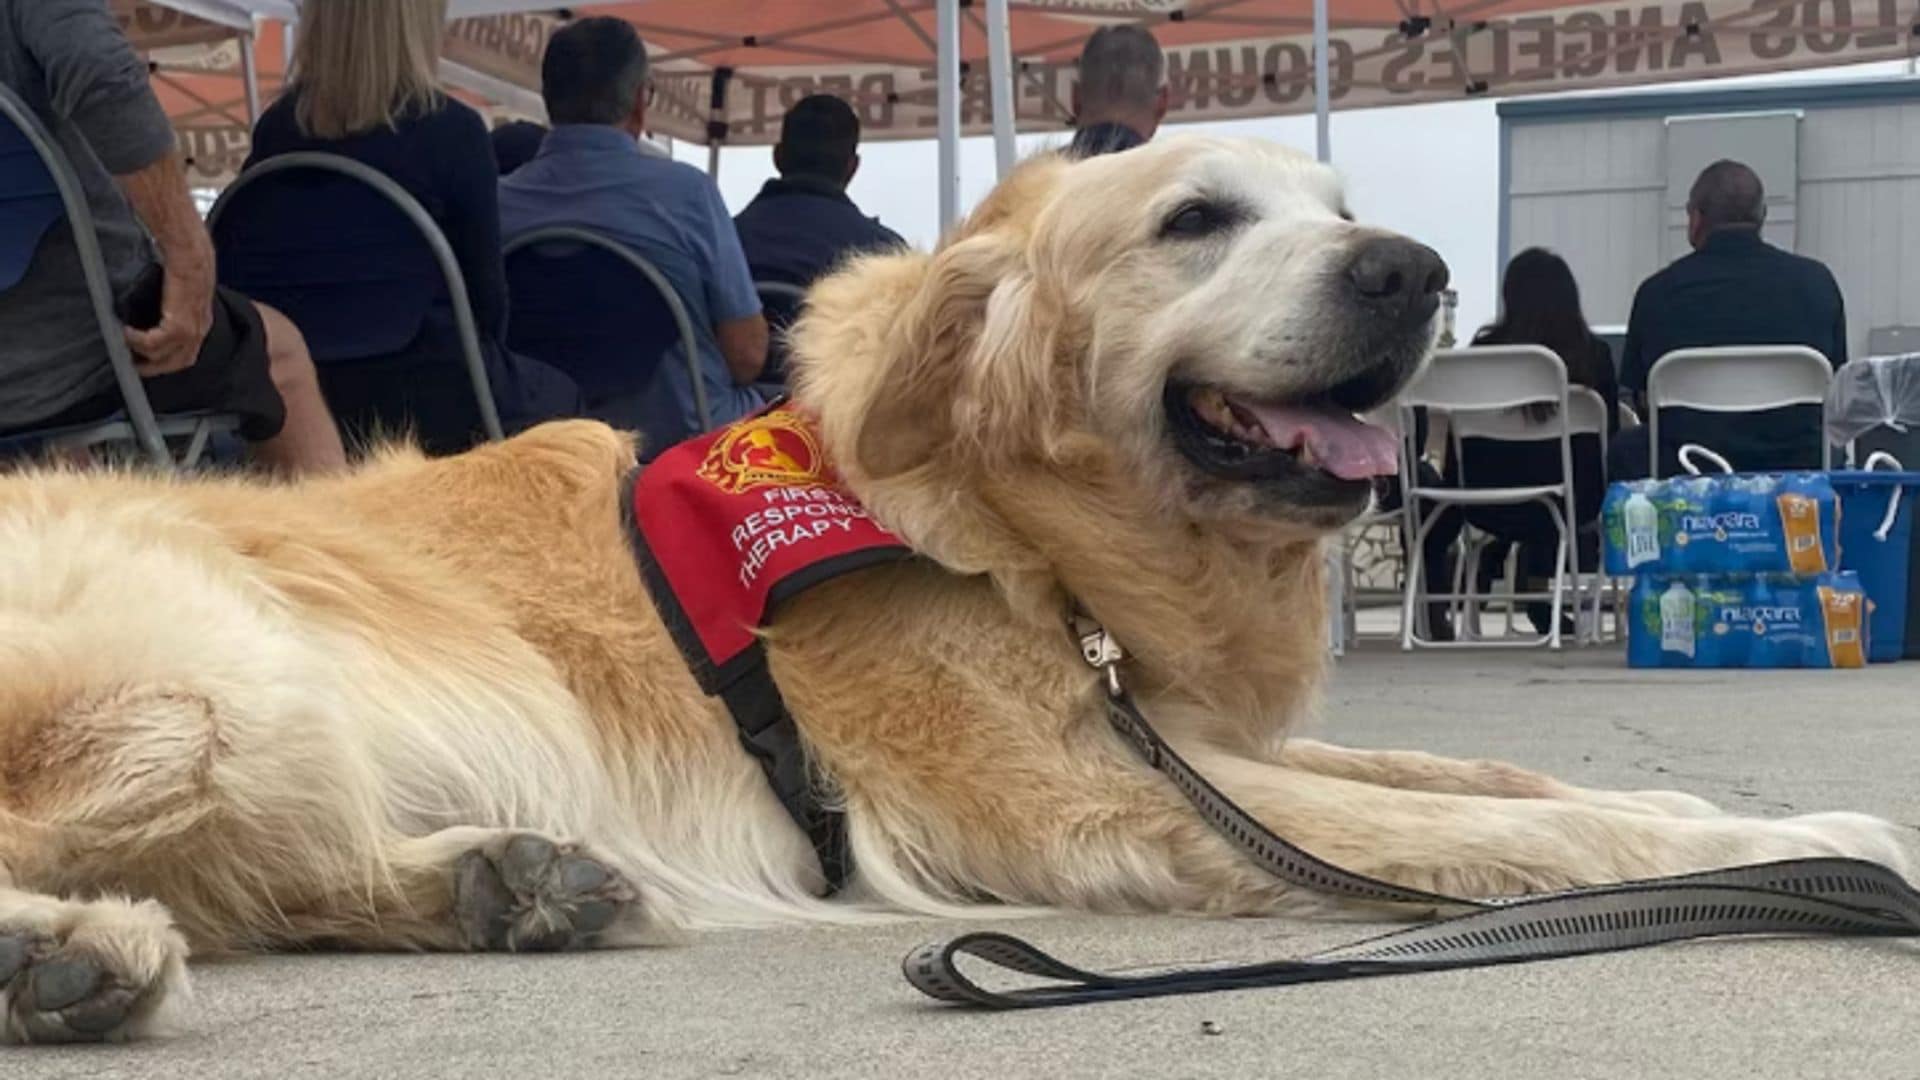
(102, 971)
(525, 893)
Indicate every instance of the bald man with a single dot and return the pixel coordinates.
(1734, 289)
(1119, 100)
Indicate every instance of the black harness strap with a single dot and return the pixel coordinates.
(1826, 896)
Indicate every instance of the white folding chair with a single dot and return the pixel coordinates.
(1482, 391)
(1586, 415)
(1736, 379)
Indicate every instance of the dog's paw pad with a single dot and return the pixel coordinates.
(55, 994)
(530, 894)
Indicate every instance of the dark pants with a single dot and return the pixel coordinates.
(1630, 455)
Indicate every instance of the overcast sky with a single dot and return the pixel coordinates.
(1430, 171)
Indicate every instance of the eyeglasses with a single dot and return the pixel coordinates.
(653, 91)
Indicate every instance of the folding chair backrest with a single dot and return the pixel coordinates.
(1488, 378)
(30, 203)
(37, 189)
(780, 302)
(1586, 415)
(604, 314)
(1738, 378)
(1735, 379)
(332, 253)
(349, 255)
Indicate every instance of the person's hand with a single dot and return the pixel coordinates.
(186, 314)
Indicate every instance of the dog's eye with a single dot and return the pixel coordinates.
(1346, 215)
(1200, 219)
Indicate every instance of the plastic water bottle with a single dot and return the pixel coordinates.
(1676, 620)
(1643, 530)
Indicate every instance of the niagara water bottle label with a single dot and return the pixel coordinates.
(1676, 620)
(1643, 530)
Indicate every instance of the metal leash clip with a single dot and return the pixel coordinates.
(1099, 649)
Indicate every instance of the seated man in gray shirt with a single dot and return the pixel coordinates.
(196, 346)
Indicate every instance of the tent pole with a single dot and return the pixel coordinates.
(1000, 70)
(250, 73)
(1322, 121)
(717, 126)
(947, 109)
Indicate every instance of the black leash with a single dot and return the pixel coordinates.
(1825, 896)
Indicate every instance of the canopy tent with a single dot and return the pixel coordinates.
(727, 69)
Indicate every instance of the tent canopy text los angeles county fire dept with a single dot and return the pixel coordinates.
(728, 69)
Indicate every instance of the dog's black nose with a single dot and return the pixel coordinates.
(1398, 278)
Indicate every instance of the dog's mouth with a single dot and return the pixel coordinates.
(1316, 443)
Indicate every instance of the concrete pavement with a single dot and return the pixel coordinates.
(831, 1003)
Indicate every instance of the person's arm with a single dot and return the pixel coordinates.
(99, 84)
(159, 195)
(1633, 362)
(470, 181)
(1838, 355)
(738, 326)
(743, 342)
(1607, 384)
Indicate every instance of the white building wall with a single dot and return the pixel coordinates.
(1592, 190)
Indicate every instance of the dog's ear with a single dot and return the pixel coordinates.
(962, 357)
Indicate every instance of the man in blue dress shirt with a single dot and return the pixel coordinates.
(591, 173)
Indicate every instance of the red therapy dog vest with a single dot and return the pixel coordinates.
(727, 526)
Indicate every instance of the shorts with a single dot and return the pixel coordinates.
(230, 377)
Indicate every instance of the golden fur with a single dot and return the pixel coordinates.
(289, 715)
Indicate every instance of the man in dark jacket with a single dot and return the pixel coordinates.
(803, 224)
(1734, 289)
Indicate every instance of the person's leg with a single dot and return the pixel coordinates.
(1436, 556)
(1630, 456)
(309, 442)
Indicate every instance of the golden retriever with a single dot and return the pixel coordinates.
(429, 705)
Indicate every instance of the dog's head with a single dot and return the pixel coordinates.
(1198, 321)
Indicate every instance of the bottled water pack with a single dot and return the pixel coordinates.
(1750, 621)
(1764, 523)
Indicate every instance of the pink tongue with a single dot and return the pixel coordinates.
(1342, 445)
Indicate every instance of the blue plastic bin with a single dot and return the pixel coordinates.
(1883, 550)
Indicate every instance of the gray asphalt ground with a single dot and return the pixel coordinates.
(831, 1003)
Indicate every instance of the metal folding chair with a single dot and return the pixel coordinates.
(1482, 391)
(576, 307)
(318, 234)
(37, 189)
(781, 302)
(1737, 379)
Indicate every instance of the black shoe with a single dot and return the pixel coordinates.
(1540, 614)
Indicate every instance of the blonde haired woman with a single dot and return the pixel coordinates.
(364, 86)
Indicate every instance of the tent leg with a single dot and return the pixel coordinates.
(947, 76)
(250, 73)
(1000, 70)
(717, 126)
(1322, 85)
